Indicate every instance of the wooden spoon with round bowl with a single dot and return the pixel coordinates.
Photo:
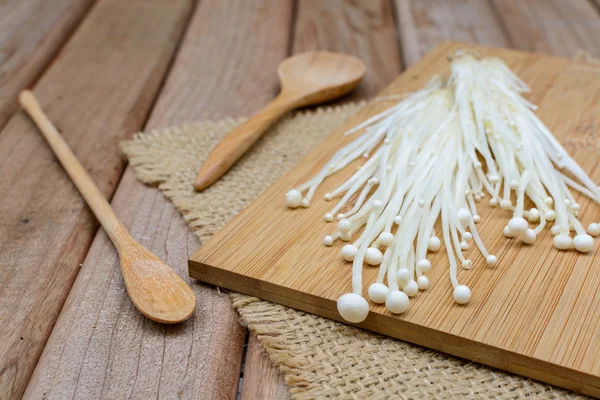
(306, 79)
(154, 288)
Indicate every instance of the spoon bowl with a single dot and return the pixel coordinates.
(154, 288)
(319, 76)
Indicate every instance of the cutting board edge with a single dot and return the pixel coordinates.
(395, 327)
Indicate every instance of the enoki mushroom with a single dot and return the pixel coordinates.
(433, 156)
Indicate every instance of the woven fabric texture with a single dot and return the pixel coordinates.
(319, 358)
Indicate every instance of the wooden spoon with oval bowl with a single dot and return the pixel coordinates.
(154, 288)
(306, 79)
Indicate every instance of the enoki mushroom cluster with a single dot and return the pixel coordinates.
(433, 156)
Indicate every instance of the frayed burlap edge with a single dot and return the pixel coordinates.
(318, 357)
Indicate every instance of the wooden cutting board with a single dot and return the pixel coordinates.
(537, 313)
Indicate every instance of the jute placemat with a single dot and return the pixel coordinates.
(318, 357)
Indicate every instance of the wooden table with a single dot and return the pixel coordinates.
(108, 68)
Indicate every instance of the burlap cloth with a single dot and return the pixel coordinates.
(318, 357)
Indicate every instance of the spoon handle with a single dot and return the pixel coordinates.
(90, 192)
(233, 146)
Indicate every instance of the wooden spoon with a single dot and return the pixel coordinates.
(306, 79)
(154, 288)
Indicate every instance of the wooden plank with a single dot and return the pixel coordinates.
(229, 67)
(101, 347)
(365, 30)
(262, 380)
(549, 26)
(362, 29)
(554, 27)
(423, 24)
(99, 89)
(477, 331)
(31, 32)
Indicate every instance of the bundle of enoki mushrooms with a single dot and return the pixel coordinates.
(433, 156)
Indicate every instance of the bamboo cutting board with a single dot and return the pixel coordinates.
(537, 313)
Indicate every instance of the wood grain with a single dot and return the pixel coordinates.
(98, 89)
(540, 324)
(423, 24)
(101, 347)
(556, 27)
(31, 33)
(553, 27)
(262, 381)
